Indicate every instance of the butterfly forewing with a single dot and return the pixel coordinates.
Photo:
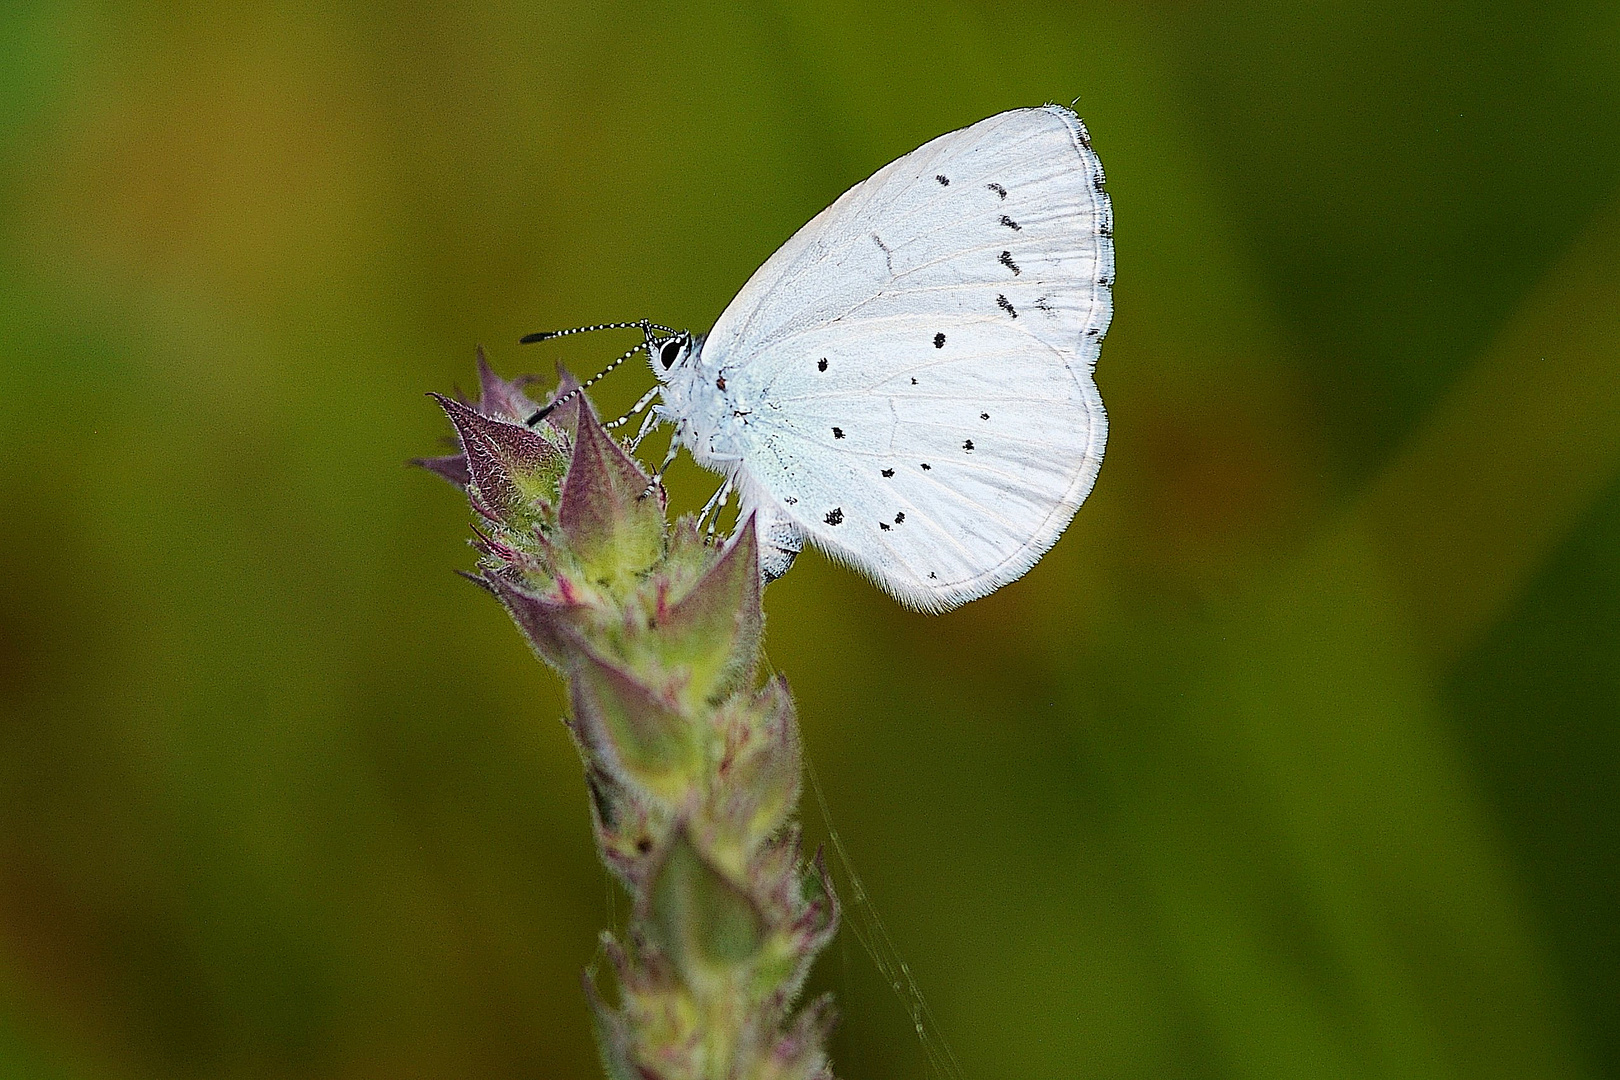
(919, 358)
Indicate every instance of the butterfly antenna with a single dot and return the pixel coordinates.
(541, 413)
(645, 326)
(641, 324)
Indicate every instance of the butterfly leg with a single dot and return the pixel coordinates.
(716, 503)
(648, 422)
(646, 399)
(669, 456)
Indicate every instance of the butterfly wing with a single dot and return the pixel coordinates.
(917, 359)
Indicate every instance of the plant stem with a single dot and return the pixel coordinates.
(693, 767)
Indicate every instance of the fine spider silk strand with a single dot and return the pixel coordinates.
(874, 937)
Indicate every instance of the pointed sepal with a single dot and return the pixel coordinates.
(800, 1052)
(553, 628)
(609, 511)
(564, 405)
(612, 1035)
(636, 734)
(503, 398)
(713, 631)
(705, 923)
(818, 922)
(804, 915)
(451, 467)
(759, 773)
(511, 466)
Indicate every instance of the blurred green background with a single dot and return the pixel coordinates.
(1297, 757)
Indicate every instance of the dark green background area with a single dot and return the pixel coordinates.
(1299, 756)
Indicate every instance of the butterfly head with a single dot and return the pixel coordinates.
(671, 355)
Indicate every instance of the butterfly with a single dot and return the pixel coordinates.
(907, 382)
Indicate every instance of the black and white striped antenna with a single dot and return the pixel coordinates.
(643, 325)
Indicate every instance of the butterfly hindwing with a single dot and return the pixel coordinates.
(920, 357)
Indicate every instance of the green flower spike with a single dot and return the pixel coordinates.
(693, 768)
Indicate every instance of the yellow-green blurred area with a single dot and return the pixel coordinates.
(1299, 756)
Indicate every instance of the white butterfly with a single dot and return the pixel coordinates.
(907, 381)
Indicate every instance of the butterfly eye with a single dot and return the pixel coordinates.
(669, 351)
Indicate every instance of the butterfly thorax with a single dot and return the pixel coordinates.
(710, 406)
